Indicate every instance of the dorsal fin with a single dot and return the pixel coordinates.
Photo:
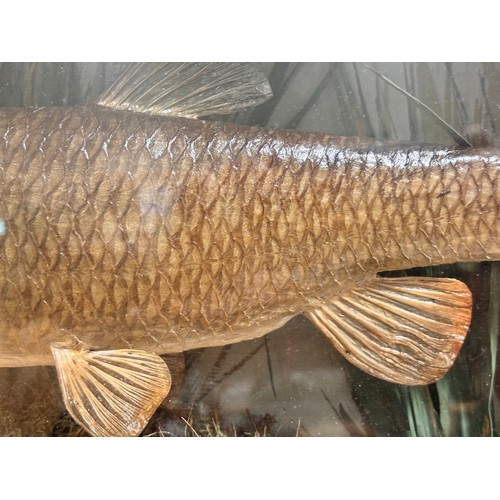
(188, 89)
(111, 393)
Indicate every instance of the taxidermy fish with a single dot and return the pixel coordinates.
(132, 228)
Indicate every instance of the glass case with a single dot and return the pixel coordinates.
(292, 382)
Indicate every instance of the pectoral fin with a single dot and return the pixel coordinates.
(111, 393)
(404, 330)
(188, 89)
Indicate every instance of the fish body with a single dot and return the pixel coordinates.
(168, 234)
(121, 230)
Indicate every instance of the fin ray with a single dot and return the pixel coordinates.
(404, 330)
(188, 89)
(111, 393)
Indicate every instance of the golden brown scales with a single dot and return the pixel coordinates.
(129, 231)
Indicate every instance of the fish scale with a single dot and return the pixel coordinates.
(131, 229)
(195, 229)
